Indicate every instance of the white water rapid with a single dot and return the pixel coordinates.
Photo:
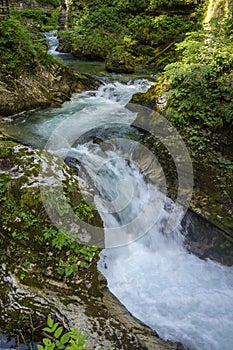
(183, 298)
(52, 40)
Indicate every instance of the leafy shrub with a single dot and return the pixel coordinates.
(155, 4)
(93, 44)
(201, 82)
(20, 48)
(71, 340)
(99, 27)
(38, 18)
(130, 6)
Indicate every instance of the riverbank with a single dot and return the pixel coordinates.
(41, 88)
(30, 77)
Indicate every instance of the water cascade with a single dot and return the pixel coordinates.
(183, 298)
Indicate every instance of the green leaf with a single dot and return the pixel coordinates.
(46, 329)
(47, 342)
(54, 327)
(58, 332)
(40, 347)
(65, 338)
(50, 322)
(59, 345)
(68, 270)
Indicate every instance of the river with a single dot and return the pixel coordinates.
(185, 299)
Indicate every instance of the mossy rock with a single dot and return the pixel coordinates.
(120, 61)
(36, 183)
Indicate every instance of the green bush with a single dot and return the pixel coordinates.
(71, 340)
(21, 48)
(201, 90)
(99, 27)
(59, 339)
(155, 4)
(92, 44)
(38, 18)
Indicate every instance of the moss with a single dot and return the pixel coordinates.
(119, 60)
(23, 216)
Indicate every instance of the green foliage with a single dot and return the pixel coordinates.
(52, 21)
(38, 18)
(22, 218)
(93, 34)
(157, 30)
(201, 93)
(130, 6)
(71, 340)
(98, 28)
(16, 46)
(156, 4)
(88, 253)
(4, 179)
(84, 211)
(16, 220)
(51, 3)
(68, 268)
(60, 240)
(20, 48)
(35, 15)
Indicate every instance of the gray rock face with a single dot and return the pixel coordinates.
(98, 314)
(41, 88)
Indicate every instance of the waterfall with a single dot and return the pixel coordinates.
(52, 40)
(183, 298)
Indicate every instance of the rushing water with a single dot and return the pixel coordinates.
(180, 296)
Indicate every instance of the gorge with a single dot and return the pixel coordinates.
(178, 282)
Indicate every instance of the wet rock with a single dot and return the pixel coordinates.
(93, 310)
(207, 240)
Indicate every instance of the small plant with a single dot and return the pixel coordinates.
(88, 252)
(58, 238)
(84, 211)
(68, 268)
(61, 240)
(59, 339)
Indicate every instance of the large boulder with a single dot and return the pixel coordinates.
(41, 87)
